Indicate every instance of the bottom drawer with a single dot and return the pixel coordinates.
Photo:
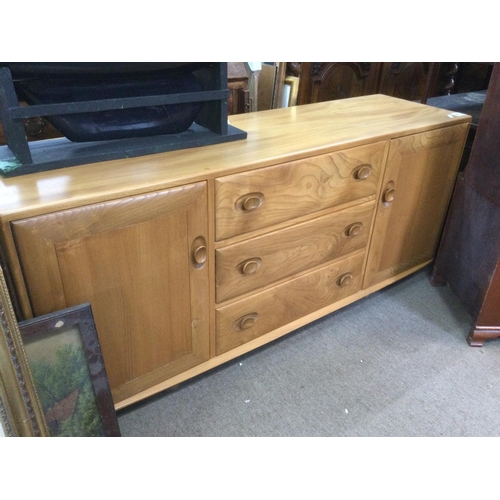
(263, 312)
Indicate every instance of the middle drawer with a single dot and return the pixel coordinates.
(257, 262)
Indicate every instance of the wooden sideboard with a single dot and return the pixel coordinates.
(192, 258)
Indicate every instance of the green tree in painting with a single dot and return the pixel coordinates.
(67, 394)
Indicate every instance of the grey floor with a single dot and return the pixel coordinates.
(393, 364)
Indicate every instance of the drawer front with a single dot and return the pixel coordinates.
(263, 312)
(259, 198)
(255, 263)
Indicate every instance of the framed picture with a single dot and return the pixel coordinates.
(66, 363)
(21, 414)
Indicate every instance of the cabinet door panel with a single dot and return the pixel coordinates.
(132, 260)
(417, 186)
(404, 80)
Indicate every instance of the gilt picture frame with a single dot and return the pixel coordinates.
(65, 359)
(21, 414)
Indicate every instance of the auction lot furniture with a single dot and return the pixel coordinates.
(193, 257)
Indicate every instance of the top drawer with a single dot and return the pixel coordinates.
(259, 198)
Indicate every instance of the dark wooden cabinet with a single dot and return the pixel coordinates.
(406, 80)
(469, 255)
(327, 81)
(413, 81)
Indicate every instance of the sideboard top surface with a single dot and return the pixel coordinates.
(273, 136)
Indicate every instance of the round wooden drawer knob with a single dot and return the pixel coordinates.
(250, 266)
(345, 279)
(362, 172)
(247, 321)
(251, 201)
(353, 229)
(388, 195)
(200, 255)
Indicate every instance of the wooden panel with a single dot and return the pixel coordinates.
(326, 81)
(132, 260)
(36, 237)
(252, 200)
(263, 312)
(260, 261)
(404, 80)
(418, 181)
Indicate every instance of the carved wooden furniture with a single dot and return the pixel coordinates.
(469, 255)
(415, 81)
(337, 80)
(191, 258)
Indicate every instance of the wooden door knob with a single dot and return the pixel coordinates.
(250, 266)
(353, 229)
(247, 321)
(345, 279)
(388, 195)
(362, 172)
(250, 201)
(199, 253)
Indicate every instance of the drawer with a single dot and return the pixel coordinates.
(257, 262)
(265, 311)
(259, 198)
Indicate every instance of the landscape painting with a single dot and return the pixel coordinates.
(66, 363)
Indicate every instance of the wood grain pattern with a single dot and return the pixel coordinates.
(419, 176)
(289, 251)
(294, 189)
(285, 303)
(132, 260)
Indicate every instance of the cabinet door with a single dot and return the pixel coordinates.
(416, 189)
(141, 263)
(404, 80)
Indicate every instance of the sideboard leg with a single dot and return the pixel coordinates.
(478, 335)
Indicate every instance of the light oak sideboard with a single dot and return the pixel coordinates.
(192, 258)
